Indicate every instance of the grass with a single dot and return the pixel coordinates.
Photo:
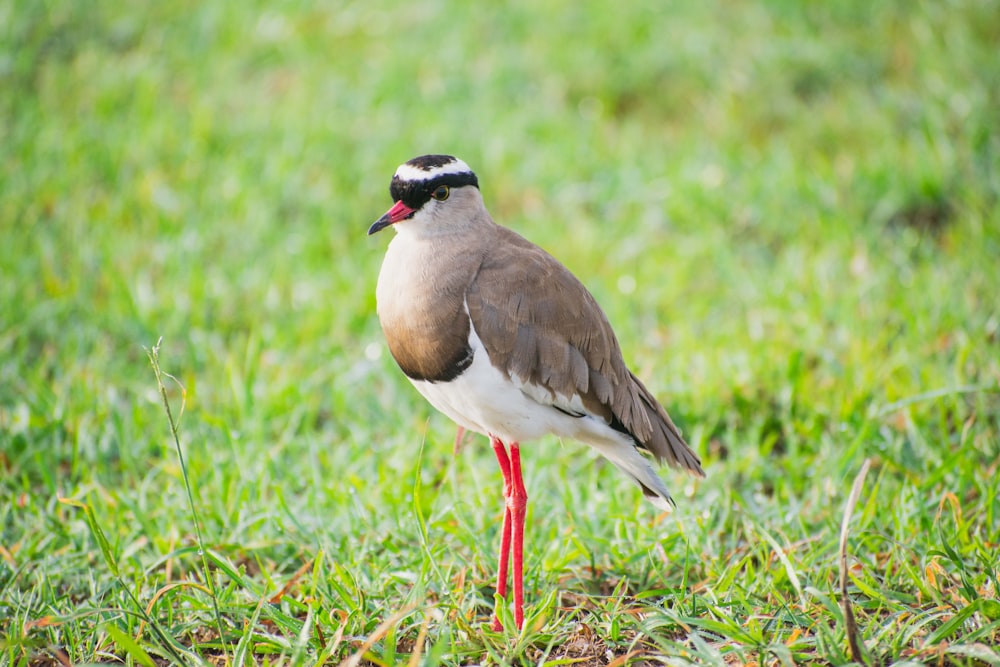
(789, 212)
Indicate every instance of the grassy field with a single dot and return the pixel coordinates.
(790, 212)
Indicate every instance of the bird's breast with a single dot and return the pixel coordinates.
(421, 307)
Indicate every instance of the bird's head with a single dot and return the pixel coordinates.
(438, 191)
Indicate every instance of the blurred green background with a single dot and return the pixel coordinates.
(789, 212)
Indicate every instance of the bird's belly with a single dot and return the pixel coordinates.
(485, 400)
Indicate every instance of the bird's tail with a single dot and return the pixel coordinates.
(665, 441)
(621, 451)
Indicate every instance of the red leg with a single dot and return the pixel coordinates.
(517, 501)
(504, 462)
(502, 568)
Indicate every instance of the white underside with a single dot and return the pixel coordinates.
(484, 400)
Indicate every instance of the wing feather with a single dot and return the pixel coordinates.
(540, 325)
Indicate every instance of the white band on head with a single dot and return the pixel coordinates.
(408, 172)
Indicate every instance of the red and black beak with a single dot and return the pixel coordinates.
(399, 211)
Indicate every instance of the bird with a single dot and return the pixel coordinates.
(503, 339)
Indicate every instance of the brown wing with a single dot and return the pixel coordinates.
(541, 325)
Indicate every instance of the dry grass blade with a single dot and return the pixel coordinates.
(276, 598)
(60, 656)
(850, 624)
(419, 646)
(623, 659)
(338, 636)
(380, 632)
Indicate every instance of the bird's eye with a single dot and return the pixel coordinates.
(441, 193)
